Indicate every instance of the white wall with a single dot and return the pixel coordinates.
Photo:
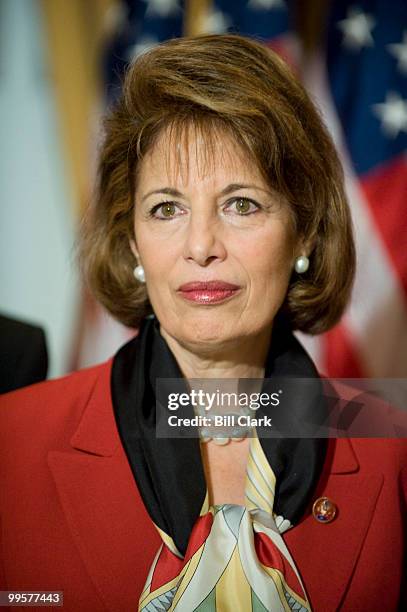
(38, 281)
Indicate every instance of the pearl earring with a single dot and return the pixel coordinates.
(139, 273)
(301, 264)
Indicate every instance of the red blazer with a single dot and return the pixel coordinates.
(72, 518)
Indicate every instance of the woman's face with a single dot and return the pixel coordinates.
(216, 223)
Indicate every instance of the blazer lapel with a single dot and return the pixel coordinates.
(326, 554)
(103, 508)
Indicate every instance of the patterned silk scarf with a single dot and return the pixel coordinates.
(225, 557)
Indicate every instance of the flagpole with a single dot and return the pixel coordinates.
(195, 14)
(73, 39)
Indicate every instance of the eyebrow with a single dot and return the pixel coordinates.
(229, 189)
(166, 190)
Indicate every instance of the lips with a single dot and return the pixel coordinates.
(214, 285)
(208, 292)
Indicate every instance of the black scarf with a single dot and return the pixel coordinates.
(168, 469)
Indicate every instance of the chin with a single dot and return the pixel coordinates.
(200, 329)
(211, 329)
(209, 332)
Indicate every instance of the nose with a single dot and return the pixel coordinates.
(203, 242)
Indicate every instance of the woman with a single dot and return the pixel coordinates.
(220, 226)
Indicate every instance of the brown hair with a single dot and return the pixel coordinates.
(237, 85)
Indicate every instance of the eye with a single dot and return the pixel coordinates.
(243, 206)
(167, 210)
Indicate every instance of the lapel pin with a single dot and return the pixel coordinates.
(324, 510)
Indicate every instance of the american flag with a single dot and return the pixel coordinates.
(357, 76)
(366, 69)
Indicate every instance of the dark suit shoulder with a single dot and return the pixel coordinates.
(23, 354)
(12, 329)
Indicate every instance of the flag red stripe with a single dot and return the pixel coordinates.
(385, 189)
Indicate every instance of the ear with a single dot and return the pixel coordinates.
(133, 248)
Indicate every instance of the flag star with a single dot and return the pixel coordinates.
(144, 44)
(399, 50)
(393, 114)
(266, 4)
(162, 8)
(216, 22)
(356, 29)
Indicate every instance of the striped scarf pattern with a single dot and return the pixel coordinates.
(236, 558)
